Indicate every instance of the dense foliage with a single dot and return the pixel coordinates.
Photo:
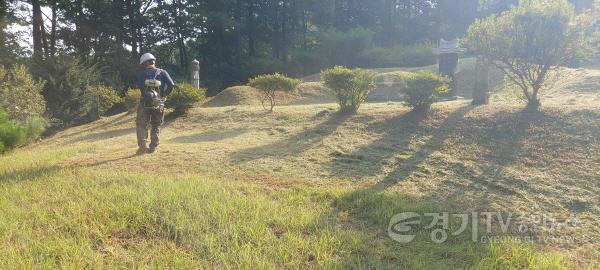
(21, 108)
(422, 88)
(75, 91)
(132, 99)
(417, 55)
(236, 39)
(102, 99)
(184, 97)
(20, 94)
(270, 84)
(351, 86)
(77, 45)
(529, 42)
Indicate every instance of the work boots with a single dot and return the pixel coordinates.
(143, 150)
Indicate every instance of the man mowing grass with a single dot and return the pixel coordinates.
(156, 85)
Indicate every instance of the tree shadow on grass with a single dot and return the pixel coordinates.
(209, 136)
(503, 145)
(108, 161)
(121, 119)
(499, 138)
(511, 148)
(105, 135)
(371, 159)
(296, 144)
(406, 167)
(28, 173)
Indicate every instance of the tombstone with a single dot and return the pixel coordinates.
(448, 53)
(481, 91)
(196, 74)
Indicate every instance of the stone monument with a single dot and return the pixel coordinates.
(448, 53)
(196, 74)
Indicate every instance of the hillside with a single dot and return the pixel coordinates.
(306, 188)
(312, 91)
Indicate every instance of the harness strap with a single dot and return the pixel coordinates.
(158, 72)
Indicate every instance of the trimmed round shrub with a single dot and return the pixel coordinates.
(351, 86)
(270, 84)
(184, 97)
(132, 98)
(422, 88)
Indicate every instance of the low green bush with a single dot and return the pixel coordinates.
(14, 134)
(184, 97)
(351, 86)
(103, 98)
(132, 99)
(422, 88)
(35, 126)
(270, 84)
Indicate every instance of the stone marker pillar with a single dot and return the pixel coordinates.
(196, 74)
(448, 53)
(481, 90)
(448, 64)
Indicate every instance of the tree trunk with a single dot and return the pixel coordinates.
(82, 39)
(140, 40)
(182, 52)
(183, 58)
(118, 13)
(53, 31)
(283, 46)
(238, 32)
(45, 42)
(272, 100)
(533, 103)
(251, 27)
(37, 23)
(3, 7)
(132, 28)
(389, 26)
(304, 31)
(338, 14)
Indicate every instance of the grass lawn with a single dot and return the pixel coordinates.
(302, 188)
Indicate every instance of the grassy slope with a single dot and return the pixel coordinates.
(301, 188)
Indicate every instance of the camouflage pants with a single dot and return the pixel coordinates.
(146, 117)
